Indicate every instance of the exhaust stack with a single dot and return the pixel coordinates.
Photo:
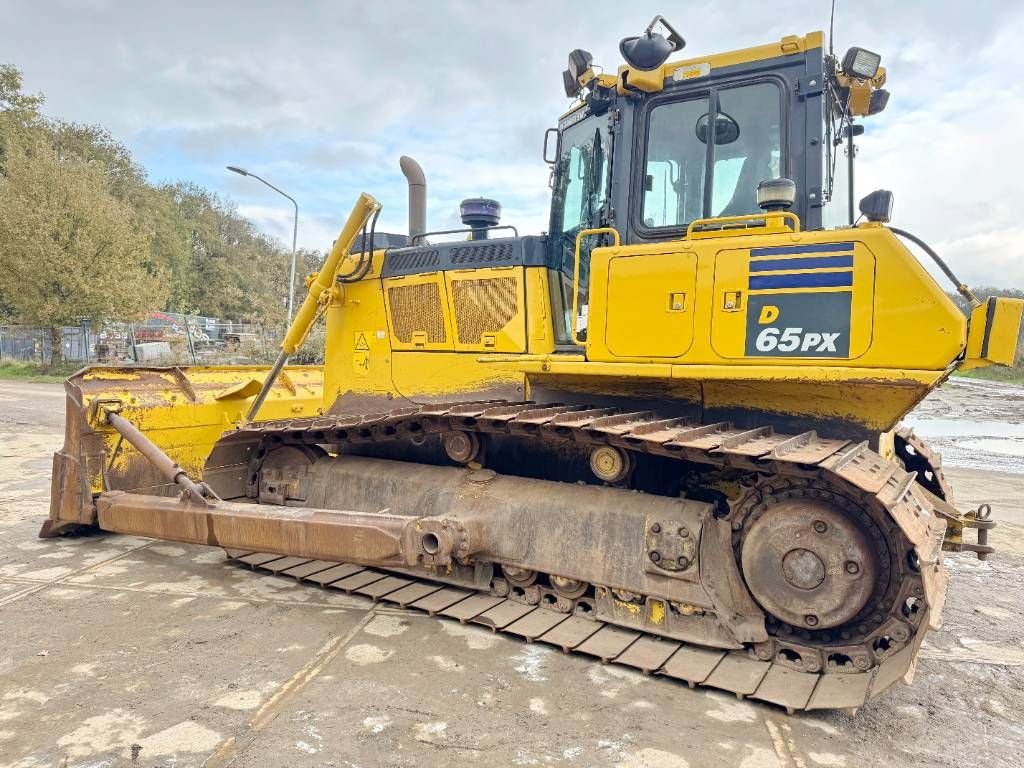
(417, 195)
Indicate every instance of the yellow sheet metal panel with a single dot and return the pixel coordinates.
(418, 316)
(488, 308)
(700, 67)
(650, 305)
(661, 389)
(874, 398)
(916, 324)
(555, 365)
(994, 332)
(540, 329)
(358, 347)
(793, 300)
(877, 405)
(848, 297)
(457, 375)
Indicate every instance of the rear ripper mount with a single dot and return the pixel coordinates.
(809, 581)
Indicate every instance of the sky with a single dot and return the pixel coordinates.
(322, 98)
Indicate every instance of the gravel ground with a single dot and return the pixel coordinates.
(123, 651)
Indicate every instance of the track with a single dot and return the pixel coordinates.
(789, 465)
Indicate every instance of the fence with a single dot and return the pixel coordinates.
(161, 338)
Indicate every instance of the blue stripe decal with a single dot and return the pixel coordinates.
(809, 280)
(806, 262)
(788, 250)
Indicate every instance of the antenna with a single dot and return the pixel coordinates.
(832, 29)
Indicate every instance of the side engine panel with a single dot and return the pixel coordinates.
(842, 298)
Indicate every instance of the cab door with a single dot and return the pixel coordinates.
(650, 305)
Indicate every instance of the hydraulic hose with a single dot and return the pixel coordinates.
(960, 286)
(366, 257)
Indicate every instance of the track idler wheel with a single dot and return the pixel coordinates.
(808, 564)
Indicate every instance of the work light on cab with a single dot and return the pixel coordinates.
(579, 66)
(861, 63)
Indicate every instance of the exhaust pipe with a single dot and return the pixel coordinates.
(417, 195)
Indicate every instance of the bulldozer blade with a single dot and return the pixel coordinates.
(183, 411)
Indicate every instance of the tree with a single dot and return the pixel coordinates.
(94, 145)
(233, 271)
(85, 236)
(69, 250)
(19, 112)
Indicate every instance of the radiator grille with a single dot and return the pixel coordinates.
(417, 308)
(483, 306)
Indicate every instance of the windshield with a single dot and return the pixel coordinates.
(746, 149)
(580, 196)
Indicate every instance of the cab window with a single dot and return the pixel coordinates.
(676, 165)
(755, 154)
(684, 179)
(579, 201)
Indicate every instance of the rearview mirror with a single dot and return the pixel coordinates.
(651, 49)
(549, 156)
(727, 130)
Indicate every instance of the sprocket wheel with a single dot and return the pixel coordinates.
(820, 564)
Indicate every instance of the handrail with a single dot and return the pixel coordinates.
(765, 217)
(424, 235)
(576, 271)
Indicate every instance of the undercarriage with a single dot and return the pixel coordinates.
(799, 570)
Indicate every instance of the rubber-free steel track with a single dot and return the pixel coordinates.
(787, 463)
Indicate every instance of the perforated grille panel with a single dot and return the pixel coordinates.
(491, 253)
(413, 261)
(483, 306)
(417, 308)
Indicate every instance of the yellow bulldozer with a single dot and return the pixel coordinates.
(666, 433)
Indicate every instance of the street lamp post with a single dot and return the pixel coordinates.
(295, 231)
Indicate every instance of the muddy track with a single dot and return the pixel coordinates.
(796, 669)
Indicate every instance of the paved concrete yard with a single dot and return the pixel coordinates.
(122, 651)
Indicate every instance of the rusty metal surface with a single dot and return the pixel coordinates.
(314, 534)
(508, 520)
(868, 481)
(648, 654)
(732, 671)
(171, 471)
(919, 457)
(798, 672)
(809, 564)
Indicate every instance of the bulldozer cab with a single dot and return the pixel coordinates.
(651, 152)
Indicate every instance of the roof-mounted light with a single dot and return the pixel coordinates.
(861, 63)
(572, 85)
(580, 62)
(776, 194)
(877, 206)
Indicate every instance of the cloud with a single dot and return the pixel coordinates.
(322, 97)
